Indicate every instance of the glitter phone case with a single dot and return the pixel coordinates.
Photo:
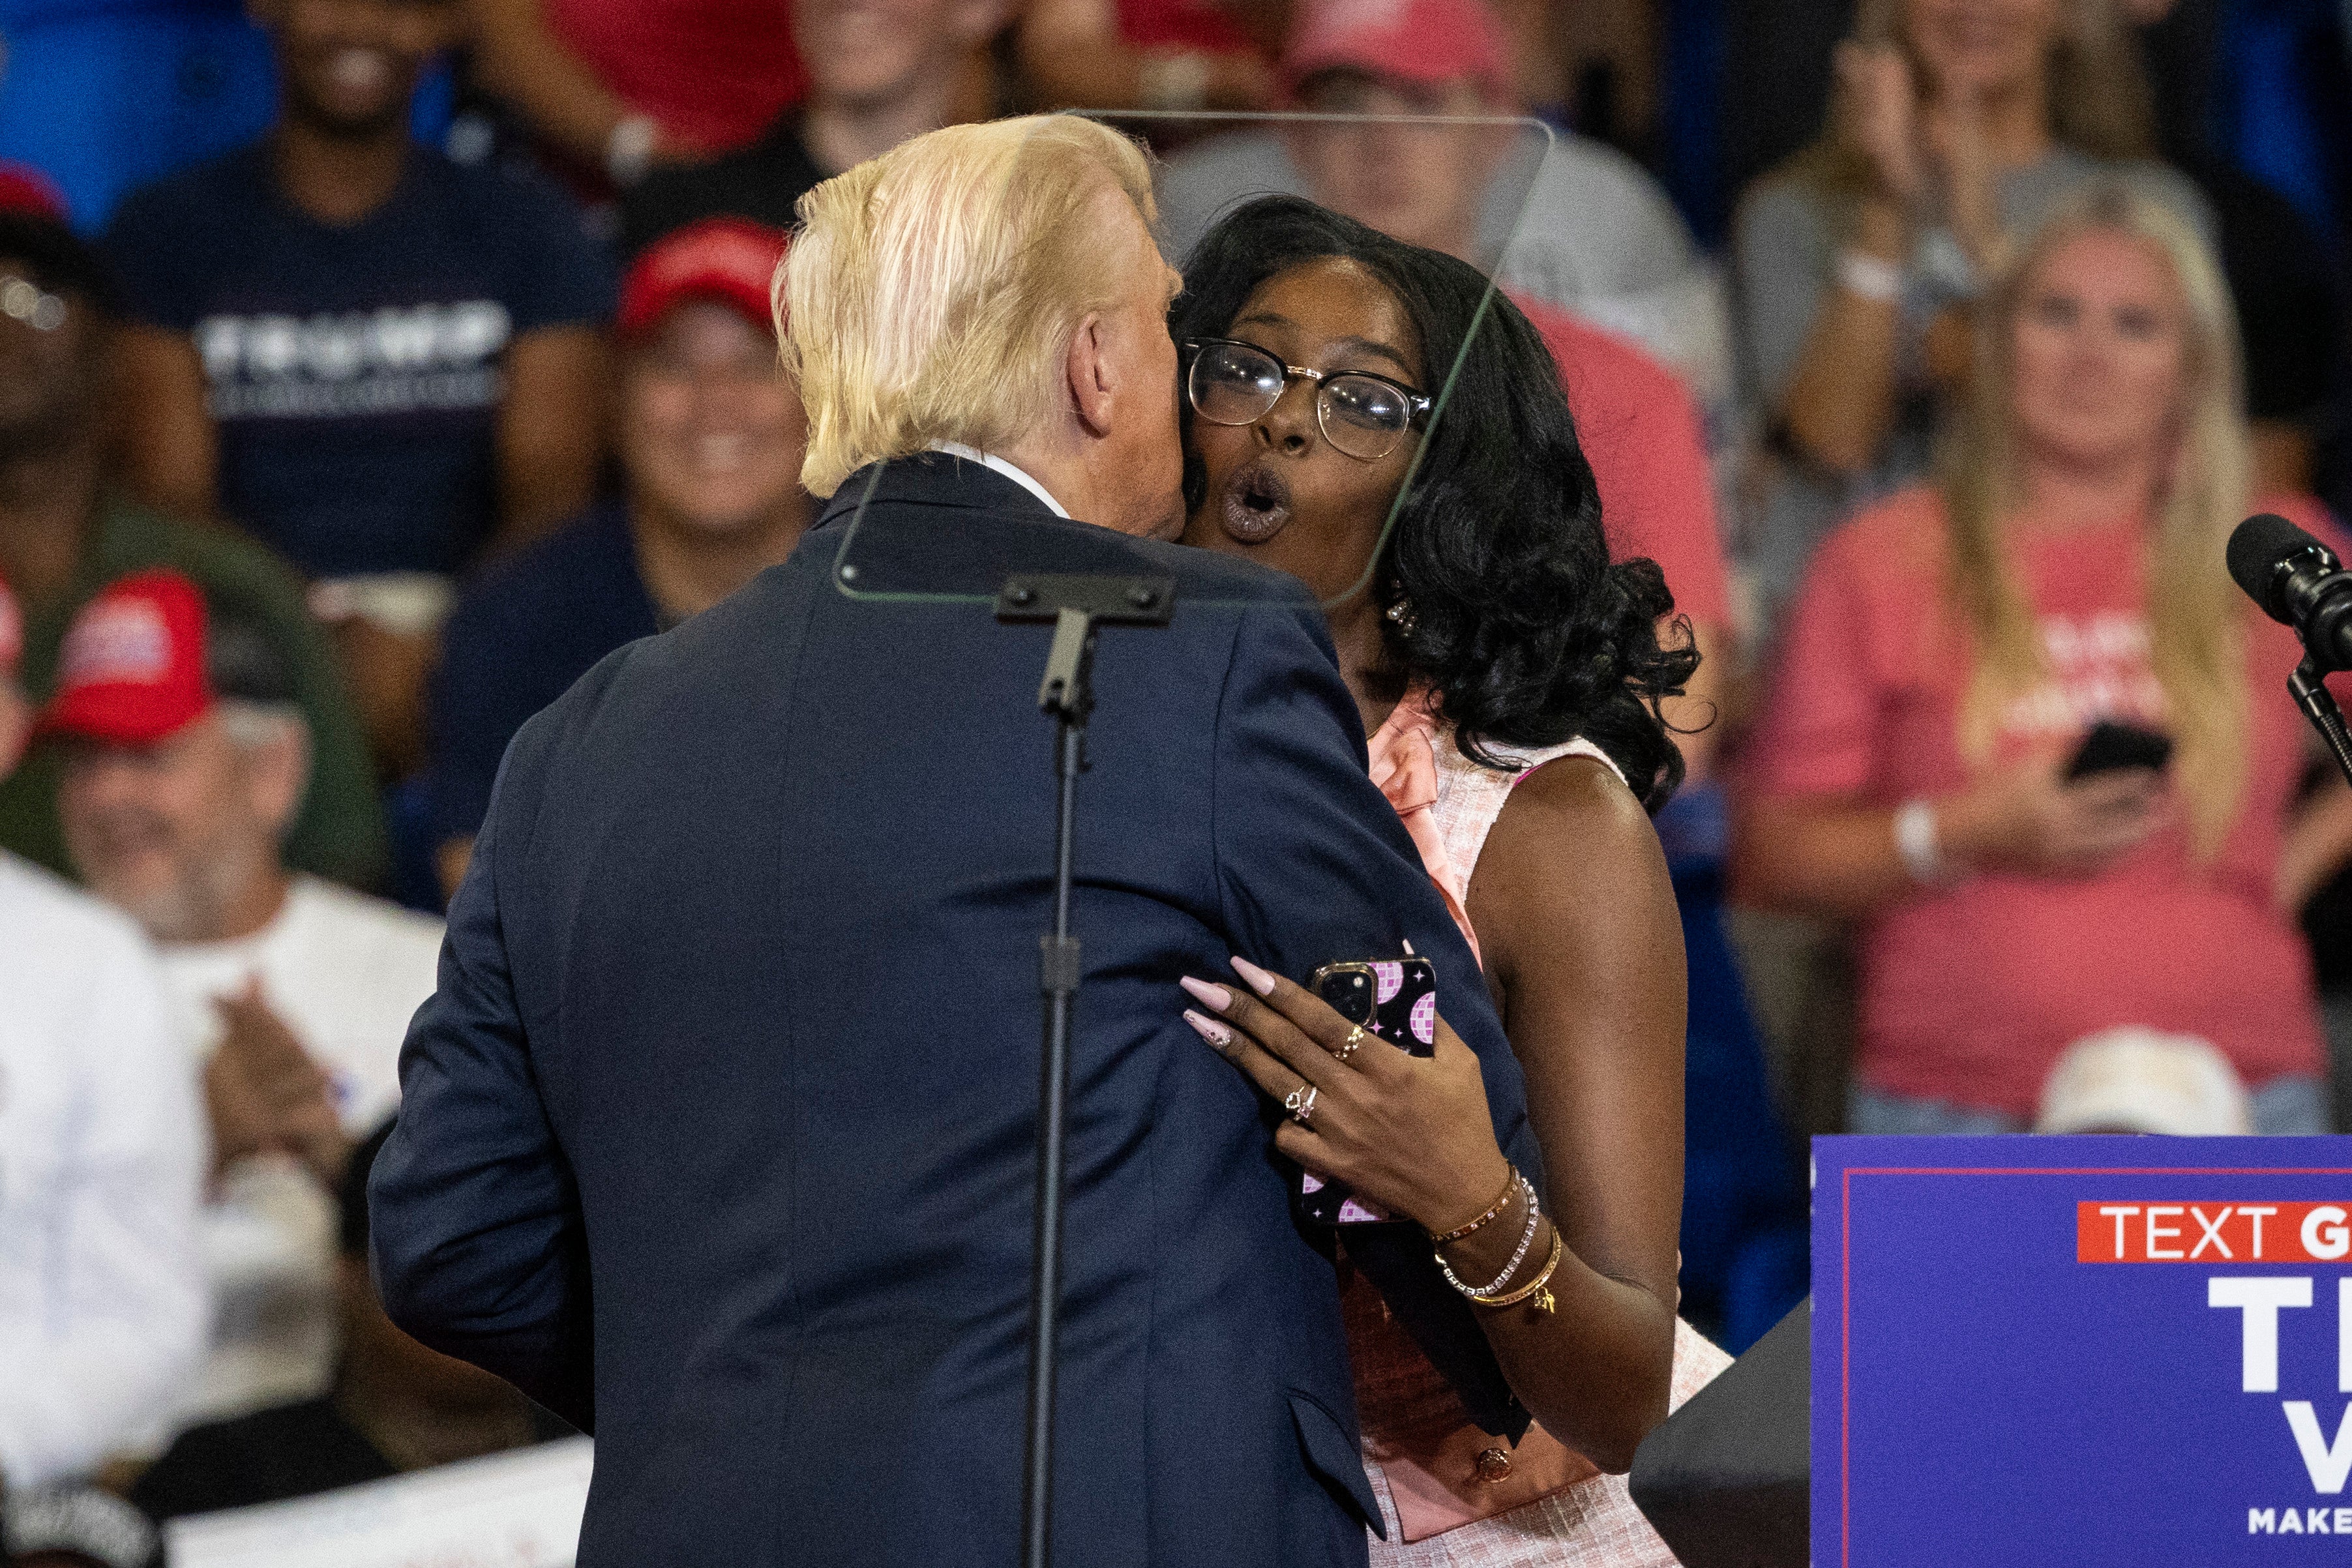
(1395, 998)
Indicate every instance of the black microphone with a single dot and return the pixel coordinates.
(2299, 583)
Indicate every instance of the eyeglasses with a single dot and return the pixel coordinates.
(1361, 414)
(25, 301)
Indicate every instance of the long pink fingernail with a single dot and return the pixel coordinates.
(1210, 1029)
(1211, 996)
(1259, 980)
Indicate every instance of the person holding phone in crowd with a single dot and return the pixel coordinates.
(1928, 765)
(1510, 675)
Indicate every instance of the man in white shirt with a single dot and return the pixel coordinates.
(101, 1158)
(185, 762)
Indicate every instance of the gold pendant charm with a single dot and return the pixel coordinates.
(1543, 1303)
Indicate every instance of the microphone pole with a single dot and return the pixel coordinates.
(2310, 692)
(1077, 606)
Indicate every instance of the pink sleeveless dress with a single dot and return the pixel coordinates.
(1444, 1507)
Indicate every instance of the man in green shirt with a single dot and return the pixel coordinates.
(63, 538)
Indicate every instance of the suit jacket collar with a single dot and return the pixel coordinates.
(934, 479)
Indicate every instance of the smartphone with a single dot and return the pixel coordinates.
(2110, 747)
(1395, 998)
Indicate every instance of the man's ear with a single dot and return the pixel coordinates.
(281, 776)
(1092, 379)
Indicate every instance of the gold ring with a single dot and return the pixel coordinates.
(1350, 1046)
(1300, 1103)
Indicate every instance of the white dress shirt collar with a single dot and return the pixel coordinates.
(990, 460)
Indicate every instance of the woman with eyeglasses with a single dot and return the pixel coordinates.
(1509, 674)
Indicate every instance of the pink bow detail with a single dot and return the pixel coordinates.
(1404, 769)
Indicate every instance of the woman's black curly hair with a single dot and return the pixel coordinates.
(1513, 611)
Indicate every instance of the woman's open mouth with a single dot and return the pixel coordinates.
(1256, 503)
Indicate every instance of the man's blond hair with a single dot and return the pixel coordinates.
(933, 292)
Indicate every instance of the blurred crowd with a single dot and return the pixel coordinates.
(370, 368)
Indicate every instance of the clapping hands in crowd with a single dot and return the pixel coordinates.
(265, 1094)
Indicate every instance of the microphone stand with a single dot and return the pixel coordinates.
(2309, 690)
(1077, 606)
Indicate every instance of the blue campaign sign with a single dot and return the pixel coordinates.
(2082, 1350)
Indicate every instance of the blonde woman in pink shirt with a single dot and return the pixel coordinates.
(1951, 649)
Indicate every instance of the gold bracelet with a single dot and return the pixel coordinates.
(1510, 1186)
(1543, 1301)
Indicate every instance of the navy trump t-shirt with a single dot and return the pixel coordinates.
(354, 372)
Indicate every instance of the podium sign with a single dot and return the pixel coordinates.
(2082, 1350)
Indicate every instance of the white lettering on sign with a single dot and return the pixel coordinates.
(2325, 1234)
(2329, 1462)
(2211, 1231)
(2231, 1233)
(2297, 1520)
(2259, 1297)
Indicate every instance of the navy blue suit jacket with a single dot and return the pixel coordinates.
(717, 1136)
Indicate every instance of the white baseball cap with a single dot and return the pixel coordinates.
(2135, 1079)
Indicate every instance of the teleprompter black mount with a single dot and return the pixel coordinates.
(2307, 687)
(1078, 607)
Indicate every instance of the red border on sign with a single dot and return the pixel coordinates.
(1845, 1279)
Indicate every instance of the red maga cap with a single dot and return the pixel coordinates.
(1426, 42)
(131, 669)
(730, 260)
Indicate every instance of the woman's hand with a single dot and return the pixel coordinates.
(1962, 154)
(1878, 116)
(2028, 818)
(1915, 143)
(1411, 1134)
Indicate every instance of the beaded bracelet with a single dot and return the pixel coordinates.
(1527, 1240)
(1543, 1301)
(1510, 1186)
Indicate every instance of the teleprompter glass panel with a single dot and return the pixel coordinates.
(1456, 184)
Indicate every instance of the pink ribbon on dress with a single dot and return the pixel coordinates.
(1404, 769)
